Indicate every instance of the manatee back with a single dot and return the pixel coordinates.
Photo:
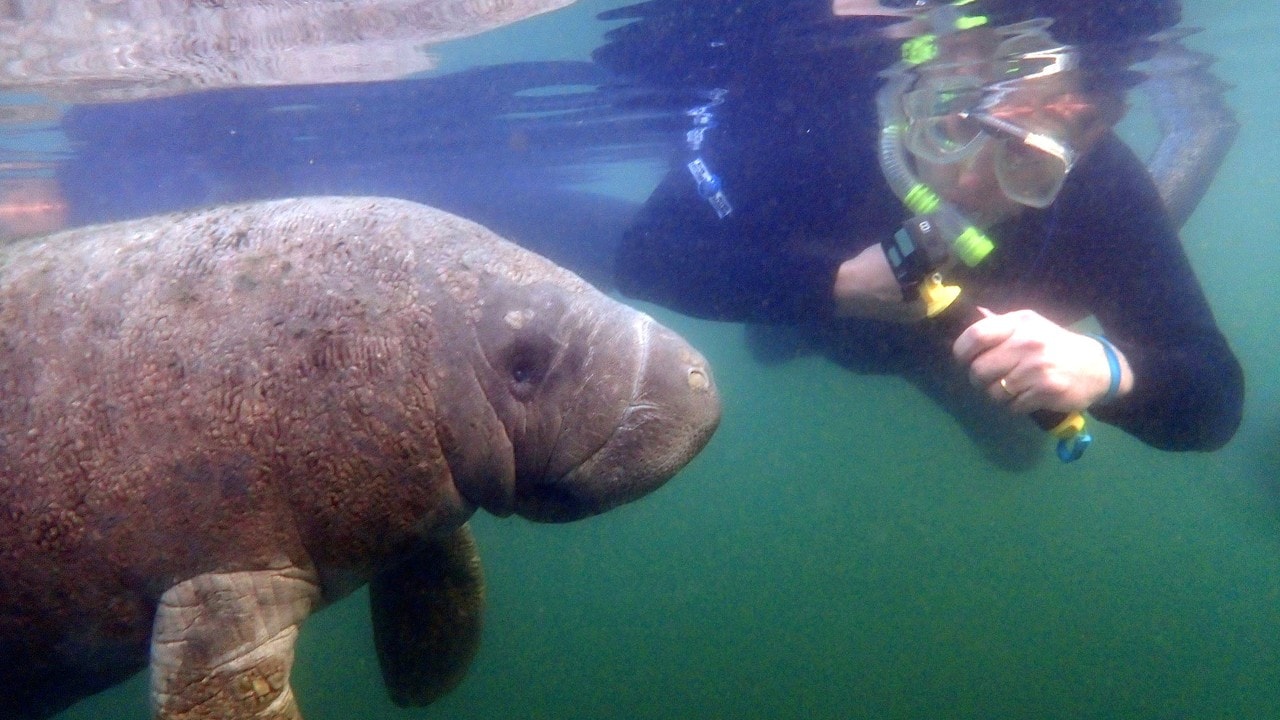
(225, 389)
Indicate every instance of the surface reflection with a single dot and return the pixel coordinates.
(92, 51)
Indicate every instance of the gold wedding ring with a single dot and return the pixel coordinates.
(1004, 385)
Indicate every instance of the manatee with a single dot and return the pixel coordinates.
(214, 423)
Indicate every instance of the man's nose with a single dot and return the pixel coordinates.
(976, 173)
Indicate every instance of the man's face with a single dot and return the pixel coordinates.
(1009, 169)
(970, 185)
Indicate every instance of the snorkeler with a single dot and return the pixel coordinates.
(993, 121)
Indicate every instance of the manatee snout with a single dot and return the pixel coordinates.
(666, 417)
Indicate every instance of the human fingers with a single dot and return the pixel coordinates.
(993, 371)
(1042, 365)
(1007, 370)
(1001, 391)
(1016, 393)
(982, 336)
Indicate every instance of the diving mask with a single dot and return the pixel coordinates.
(956, 109)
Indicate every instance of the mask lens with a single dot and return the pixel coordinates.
(1027, 174)
(945, 140)
(938, 128)
(941, 98)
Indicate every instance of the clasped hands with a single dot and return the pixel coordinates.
(1020, 359)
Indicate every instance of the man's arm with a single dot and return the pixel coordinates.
(1131, 271)
(752, 265)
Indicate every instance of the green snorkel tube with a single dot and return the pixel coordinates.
(938, 229)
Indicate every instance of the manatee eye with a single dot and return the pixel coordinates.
(527, 364)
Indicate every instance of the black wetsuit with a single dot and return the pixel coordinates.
(799, 169)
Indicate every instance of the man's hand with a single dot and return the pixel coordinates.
(1030, 363)
(865, 287)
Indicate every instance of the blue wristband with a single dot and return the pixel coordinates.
(1113, 362)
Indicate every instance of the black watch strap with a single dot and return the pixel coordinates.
(914, 253)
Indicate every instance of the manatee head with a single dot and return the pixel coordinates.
(599, 402)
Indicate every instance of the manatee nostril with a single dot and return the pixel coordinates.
(698, 379)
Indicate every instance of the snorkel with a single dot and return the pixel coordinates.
(938, 229)
(1023, 55)
(970, 244)
(963, 237)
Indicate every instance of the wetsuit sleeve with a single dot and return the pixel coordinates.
(1188, 388)
(680, 254)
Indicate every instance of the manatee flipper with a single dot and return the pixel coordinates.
(427, 615)
(222, 645)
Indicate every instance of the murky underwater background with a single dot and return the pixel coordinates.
(841, 550)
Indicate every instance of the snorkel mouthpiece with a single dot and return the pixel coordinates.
(968, 243)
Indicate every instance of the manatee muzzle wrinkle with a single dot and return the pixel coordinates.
(670, 415)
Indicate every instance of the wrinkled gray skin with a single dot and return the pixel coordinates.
(213, 424)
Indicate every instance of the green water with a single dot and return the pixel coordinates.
(842, 551)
